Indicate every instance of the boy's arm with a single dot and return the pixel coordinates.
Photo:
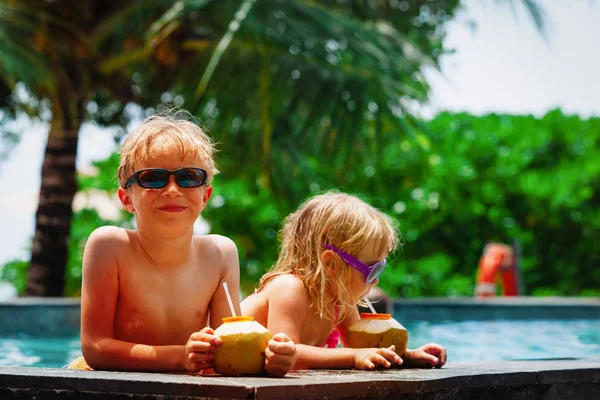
(100, 291)
(230, 273)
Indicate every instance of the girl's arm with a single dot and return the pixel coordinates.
(345, 358)
(323, 358)
(288, 307)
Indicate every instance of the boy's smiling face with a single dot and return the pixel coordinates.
(174, 206)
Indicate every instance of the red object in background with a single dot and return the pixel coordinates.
(497, 264)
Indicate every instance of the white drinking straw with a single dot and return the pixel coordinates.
(229, 299)
(370, 305)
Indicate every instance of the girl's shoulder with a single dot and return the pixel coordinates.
(286, 294)
(285, 284)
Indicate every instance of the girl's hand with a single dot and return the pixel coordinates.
(431, 355)
(199, 350)
(280, 355)
(369, 358)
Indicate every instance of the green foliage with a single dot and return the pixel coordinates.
(15, 272)
(105, 179)
(478, 179)
(500, 178)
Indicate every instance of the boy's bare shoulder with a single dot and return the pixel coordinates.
(222, 242)
(218, 248)
(110, 238)
(216, 243)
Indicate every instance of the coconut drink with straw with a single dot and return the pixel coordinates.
(377, 330)
(242, 351)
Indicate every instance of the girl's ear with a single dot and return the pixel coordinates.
(126, 200)
(328, 260)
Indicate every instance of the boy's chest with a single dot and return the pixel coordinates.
(162, 310)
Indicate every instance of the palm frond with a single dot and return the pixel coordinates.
(232, 28)
(536, 12)
(18, 61)
(538, 15)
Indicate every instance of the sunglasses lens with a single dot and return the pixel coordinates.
(375, 272)
(153, 179)
(190, 177)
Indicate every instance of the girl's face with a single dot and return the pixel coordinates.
(369, 255)
(169, 208)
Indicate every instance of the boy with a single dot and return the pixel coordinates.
(148, 294)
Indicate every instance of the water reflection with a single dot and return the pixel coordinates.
(465, 341)
(28, 351)
(510, 340)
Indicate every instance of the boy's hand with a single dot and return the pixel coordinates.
(281, 355)
(199, 350)
(368, 358)
(430, 355)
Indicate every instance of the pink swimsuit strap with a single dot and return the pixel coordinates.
(334, 337)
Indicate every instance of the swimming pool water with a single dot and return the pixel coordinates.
(510, 340)
(464, 340)
(30, 351)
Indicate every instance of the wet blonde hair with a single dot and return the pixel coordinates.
(160, 133)
(335, 218)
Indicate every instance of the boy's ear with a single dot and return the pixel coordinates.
(126, 200)
(207, 193)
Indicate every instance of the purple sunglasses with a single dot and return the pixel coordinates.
(371, 272)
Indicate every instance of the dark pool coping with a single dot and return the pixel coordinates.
(550, 379)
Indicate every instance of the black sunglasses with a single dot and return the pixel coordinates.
(157, 178)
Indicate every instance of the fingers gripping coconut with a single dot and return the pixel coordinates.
(378, 330)
(381, 330)
(242, 350)
(247, 349)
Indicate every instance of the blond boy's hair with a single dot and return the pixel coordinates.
(165, 133)
(335, 218)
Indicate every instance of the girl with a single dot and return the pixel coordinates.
(332, 252)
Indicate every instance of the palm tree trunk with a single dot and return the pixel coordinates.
(46, 274)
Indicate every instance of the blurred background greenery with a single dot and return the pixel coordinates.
(302, 97)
